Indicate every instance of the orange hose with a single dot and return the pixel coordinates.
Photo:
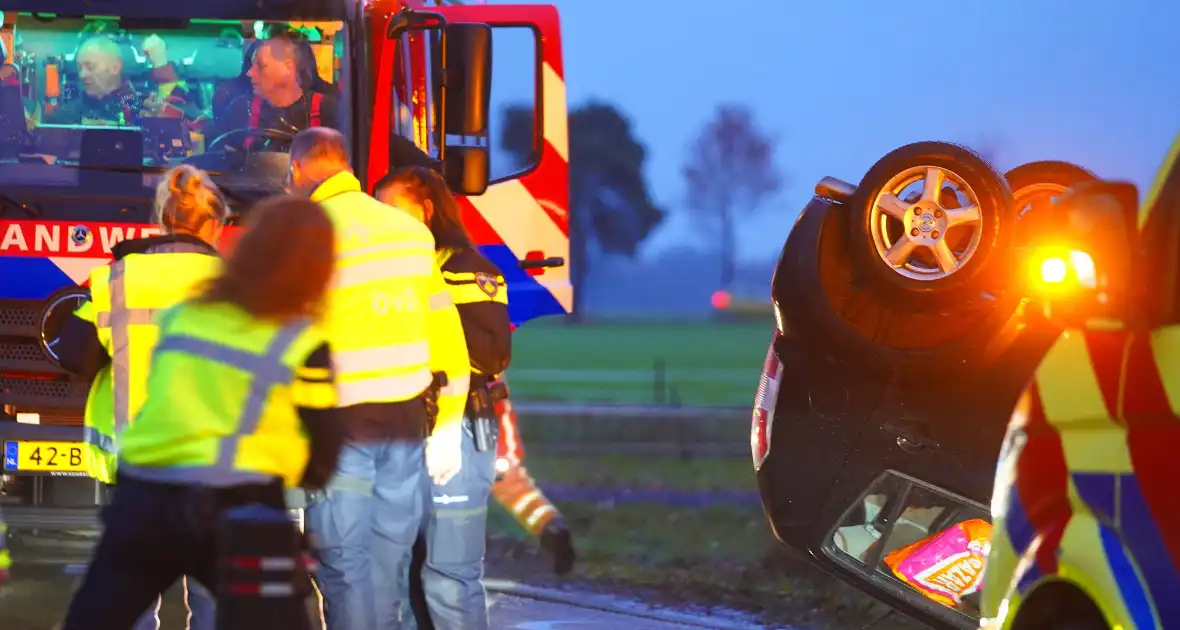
(52, 81)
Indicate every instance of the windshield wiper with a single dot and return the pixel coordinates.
(8, 204)
(147, 168)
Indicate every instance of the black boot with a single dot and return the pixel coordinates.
(556, 540)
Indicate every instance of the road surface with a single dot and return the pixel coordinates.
(529, 614)
(39, 603)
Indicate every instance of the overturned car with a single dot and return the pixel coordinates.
(904, 338)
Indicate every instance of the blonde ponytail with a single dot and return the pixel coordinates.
(187, 201)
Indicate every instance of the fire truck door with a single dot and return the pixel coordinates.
(521, 223)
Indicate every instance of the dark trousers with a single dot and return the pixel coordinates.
(153, 534)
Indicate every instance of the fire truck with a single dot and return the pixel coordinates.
(404, 69)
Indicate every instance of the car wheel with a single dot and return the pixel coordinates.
(1034, 188)
(818, 298)
(932, 221)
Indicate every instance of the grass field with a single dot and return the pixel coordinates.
(705, 364)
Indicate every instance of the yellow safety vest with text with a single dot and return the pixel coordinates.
(390, 321)
(222, 398)
(125, 297)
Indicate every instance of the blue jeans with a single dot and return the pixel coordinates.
(364, 524)
(456, 535)
(202, 611)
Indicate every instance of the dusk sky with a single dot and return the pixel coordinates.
(842, 82)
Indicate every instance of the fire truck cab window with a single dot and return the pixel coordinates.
(517, 78)
(515, 122)
(84, 94)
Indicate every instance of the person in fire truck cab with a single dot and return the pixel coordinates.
(455, 531)
(284, 96)
(107, 98)
(238, 407)
(113, 334)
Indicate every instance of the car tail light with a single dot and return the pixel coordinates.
(764, 401)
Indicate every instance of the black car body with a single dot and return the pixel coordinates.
(880, 415)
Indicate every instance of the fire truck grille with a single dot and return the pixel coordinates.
(17, 317)
(37, 394)
(26, 352)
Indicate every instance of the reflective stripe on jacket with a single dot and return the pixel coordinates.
(125, 296)
(221, 400)
(481, 296)
(470, 287)
(390, 320)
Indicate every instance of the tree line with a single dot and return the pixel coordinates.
(729, 169)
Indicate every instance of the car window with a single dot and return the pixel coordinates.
(930, 543)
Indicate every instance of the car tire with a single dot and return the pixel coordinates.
(820, 303)
(984, 261)
(1034, 181)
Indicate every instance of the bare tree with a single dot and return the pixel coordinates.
(730, 171)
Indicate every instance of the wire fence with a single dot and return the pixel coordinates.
(684, 432)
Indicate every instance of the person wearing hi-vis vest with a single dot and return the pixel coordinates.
(5, 559)
(238, 407)
(449, 566)
(112, 336)
(402, 375)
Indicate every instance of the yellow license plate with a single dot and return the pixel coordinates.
(44, 457)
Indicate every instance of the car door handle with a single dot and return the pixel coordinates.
(910, 438)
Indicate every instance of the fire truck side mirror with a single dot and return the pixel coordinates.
(466, 170)
(468, 80)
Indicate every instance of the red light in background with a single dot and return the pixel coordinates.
(720, 300)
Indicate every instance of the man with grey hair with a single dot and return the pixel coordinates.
(402, 374)
(106, 97)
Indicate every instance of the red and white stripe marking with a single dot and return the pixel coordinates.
(765, 399)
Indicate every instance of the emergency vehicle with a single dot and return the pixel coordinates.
(403, 68)
(889, 389)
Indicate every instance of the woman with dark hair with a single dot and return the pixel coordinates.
(514, 488)
(238, 408)
(452, 566)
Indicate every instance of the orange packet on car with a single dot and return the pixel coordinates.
(947, 566)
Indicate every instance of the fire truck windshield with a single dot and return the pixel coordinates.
(84, 94)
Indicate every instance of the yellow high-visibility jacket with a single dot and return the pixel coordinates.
(5, 559)
(125, 297)
(390, 320)
(222, 400)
